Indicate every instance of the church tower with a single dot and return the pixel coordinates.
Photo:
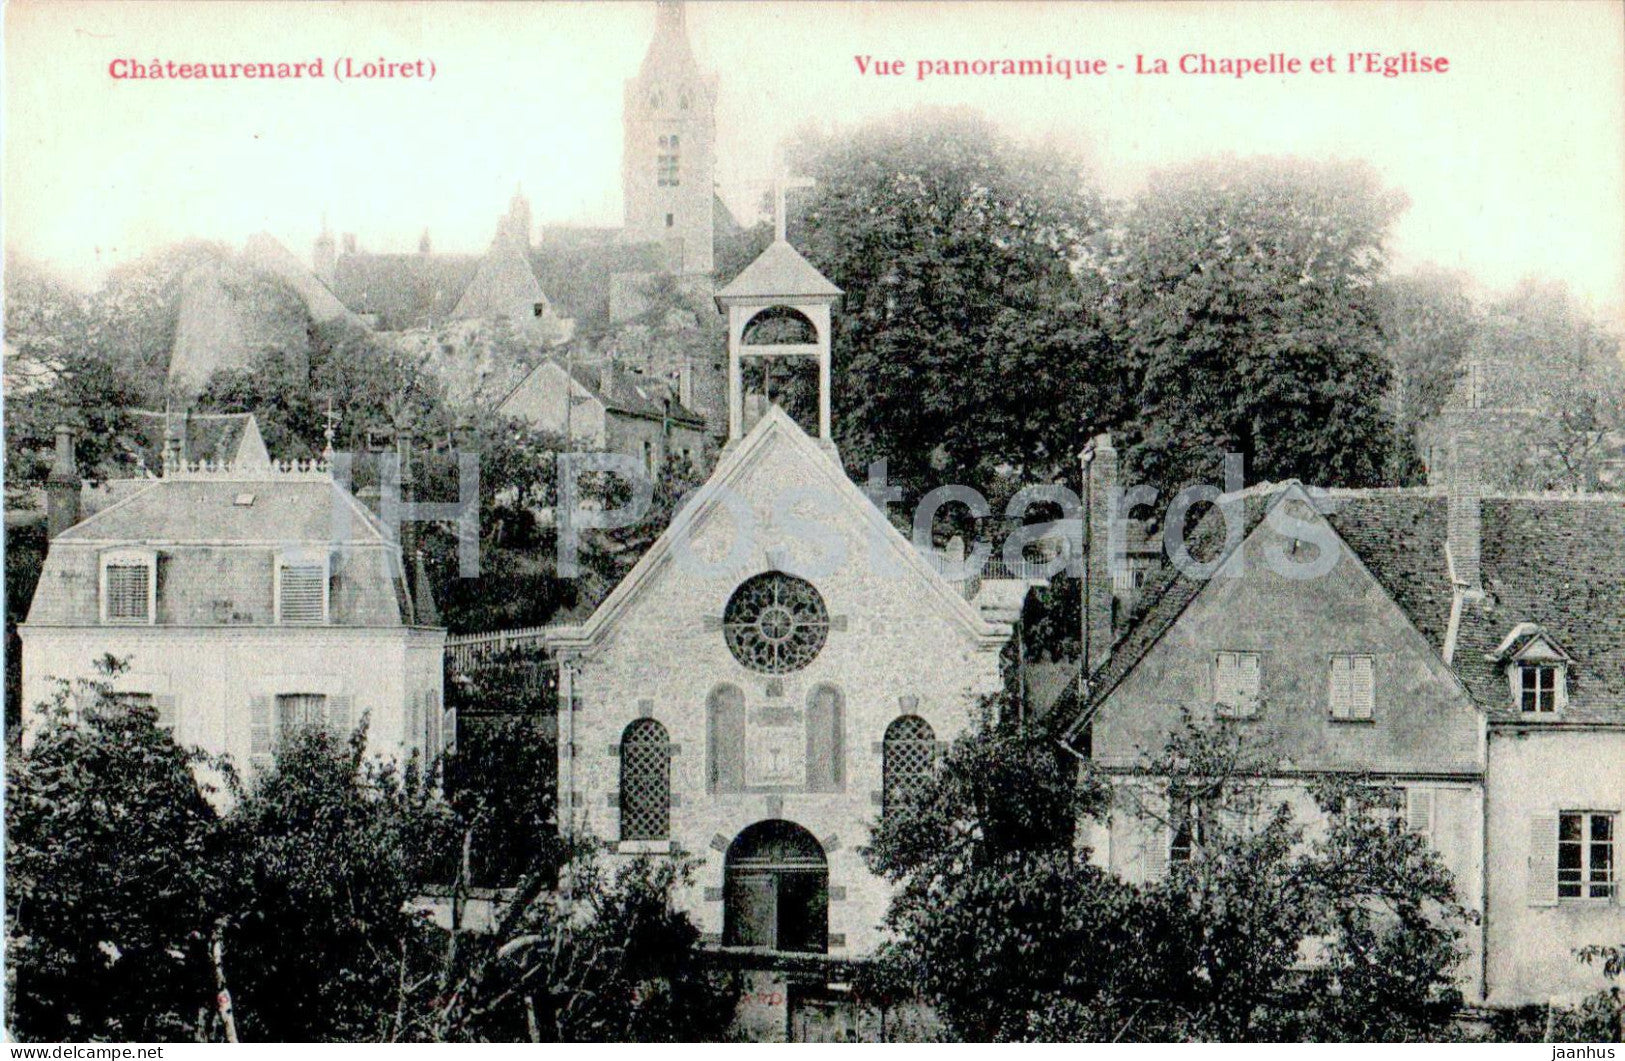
(669, 158)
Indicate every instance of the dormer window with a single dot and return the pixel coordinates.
(302, 587)
(1537, 670)
(1540, 686)
(129, 586)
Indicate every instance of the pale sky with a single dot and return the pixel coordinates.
(1514, 161)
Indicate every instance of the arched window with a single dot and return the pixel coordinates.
(725, 718)
(645, 781)
(908, 757)
(826, 770)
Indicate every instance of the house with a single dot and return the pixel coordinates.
(1464, 651)
(777, 670)
(607, 407)
(246, 599)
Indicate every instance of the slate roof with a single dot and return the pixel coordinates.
(779, 272)
(184, 511)
(1558, 561)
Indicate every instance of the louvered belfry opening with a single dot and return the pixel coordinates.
(645, 781)
(909, 756)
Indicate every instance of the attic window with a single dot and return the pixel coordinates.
(129, 586)
(1542, 688)
(538, 308)
(301, 588)
(243, 500)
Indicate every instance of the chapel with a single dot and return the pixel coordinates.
(780, 669)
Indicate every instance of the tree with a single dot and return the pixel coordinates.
(326, 851)
(1428, 325)
(607, 957)
(965, 343)
(1553, 371)
(111, 849)
(1244, 301)
(998, 920)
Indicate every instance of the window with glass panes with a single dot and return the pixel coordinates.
(1585, 855)
(1538, 689)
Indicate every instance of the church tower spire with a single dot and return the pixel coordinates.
(668, 163)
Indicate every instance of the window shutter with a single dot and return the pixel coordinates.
(1250, 672)
(1542, 882)
(414, 722)
(448, 727)
(261, 732)
(304, 593)
(1342, 688)
(128, 591)
(165, 706)
(431, 726)
(339, 709)
(1363, 687)
(1158, 838)
(1419, 812)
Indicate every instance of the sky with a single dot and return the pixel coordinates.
(1513, 161)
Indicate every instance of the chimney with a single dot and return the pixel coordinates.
(1466, 513)
(606, 377)
(406, 528)
(685, 384)
(1100, 485)
(62, 486)
(174, 441)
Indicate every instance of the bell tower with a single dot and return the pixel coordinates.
(779, 306)
(668, 162)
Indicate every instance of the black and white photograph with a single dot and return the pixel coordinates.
(785, 521)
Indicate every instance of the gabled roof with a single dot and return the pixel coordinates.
(778, 273)
(504, 285)
(1554, 565)
(774, 428)
(630, 393)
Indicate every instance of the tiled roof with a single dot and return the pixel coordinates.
(1556, 561)
(413, 290)
(207, 511)
(630, 393)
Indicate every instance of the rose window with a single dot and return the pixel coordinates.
(775, 623)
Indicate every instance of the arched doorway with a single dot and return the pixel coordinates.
(776, 892)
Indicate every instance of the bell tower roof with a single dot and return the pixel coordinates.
(779, 274)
